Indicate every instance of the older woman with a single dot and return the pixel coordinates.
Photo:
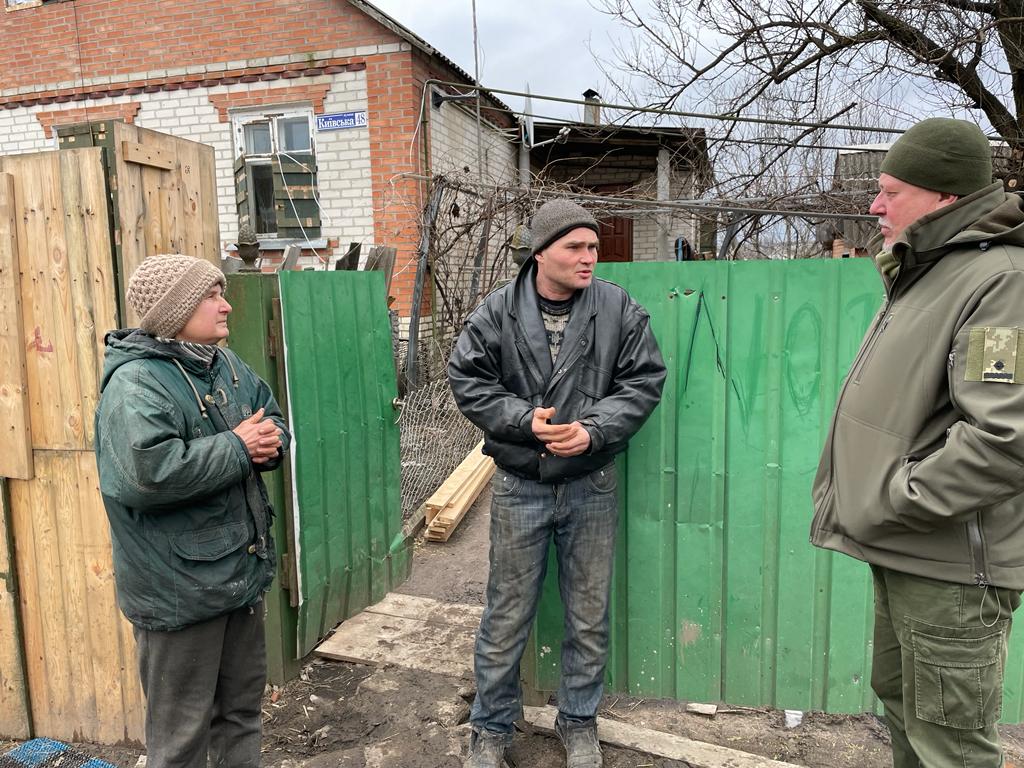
(183, 430)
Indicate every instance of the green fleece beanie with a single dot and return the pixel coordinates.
(943, 155)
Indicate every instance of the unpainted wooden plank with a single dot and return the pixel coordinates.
(208, 246)
(131, 216)
(697, 754)
(36, 189)
(40, 579)
(98, 311)
(440, 498)
(69, 507)
(66, 289)
(80, 658)
(444, 524)
(374, 638)
(189, 193)
(15, 412)
(14, 710)
(146, 155)
(428, 610)
(113, 673)
(83, 188)
(58, 318)
(468, 493)
(164, 189)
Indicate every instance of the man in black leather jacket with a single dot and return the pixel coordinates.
(559, 370)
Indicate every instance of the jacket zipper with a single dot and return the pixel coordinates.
(977, 544)
(854, 369)
(862, 361)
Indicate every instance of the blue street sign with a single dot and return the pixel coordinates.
(340, 120)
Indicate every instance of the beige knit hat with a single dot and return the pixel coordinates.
(165, 290)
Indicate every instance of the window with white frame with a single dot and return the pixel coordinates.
(275, 172)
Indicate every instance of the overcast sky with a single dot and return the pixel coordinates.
(540, 42)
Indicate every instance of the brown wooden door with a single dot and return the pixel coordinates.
(615, 237)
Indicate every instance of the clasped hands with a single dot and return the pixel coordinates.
(261, 436)
(560, 439)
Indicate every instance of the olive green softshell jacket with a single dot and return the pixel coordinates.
(189, 515)
(923, 467)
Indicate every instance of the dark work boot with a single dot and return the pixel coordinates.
(486, 750)
(582, 749)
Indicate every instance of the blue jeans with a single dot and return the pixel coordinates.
(582, 517)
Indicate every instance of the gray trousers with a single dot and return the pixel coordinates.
(203, 687)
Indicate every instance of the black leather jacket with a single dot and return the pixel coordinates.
(608, 375)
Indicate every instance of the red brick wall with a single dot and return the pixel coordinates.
(74, 115)
(395, 89)
(314, 94)
(40, 46)
(117, 37)
(393, 96)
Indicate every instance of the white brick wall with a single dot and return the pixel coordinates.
(346, 194)
(20, 131)
(343, 157)
(453, 149)
(453, 145)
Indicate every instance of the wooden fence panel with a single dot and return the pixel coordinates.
(14, 713)
(77, 651)
(15, 427)
(164, 210)
(74, 224)
(66, 289)
(80, 653)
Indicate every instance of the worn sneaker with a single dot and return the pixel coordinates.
(582, 749)
(486, 750)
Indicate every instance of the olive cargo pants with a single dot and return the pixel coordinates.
(939, 654)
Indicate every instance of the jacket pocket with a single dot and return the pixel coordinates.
(210, 544)
(958, 673)
(594, 381)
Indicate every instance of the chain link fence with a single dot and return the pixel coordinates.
(435, 438)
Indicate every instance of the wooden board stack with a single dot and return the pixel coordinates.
(449, 504)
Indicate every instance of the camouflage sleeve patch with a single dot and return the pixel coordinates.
(995, 355)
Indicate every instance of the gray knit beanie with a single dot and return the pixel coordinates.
(943, 155)
(557, 218)
(165, 290)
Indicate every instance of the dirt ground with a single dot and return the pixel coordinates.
(356, 716)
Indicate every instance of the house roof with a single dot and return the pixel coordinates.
(638, 139)
(419, 43)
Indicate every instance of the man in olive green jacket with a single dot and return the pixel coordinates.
(922, 473)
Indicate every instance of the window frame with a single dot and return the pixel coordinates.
(271, 115)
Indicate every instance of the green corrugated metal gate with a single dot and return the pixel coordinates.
(326, 350)
(718, 595)
(348, 541)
